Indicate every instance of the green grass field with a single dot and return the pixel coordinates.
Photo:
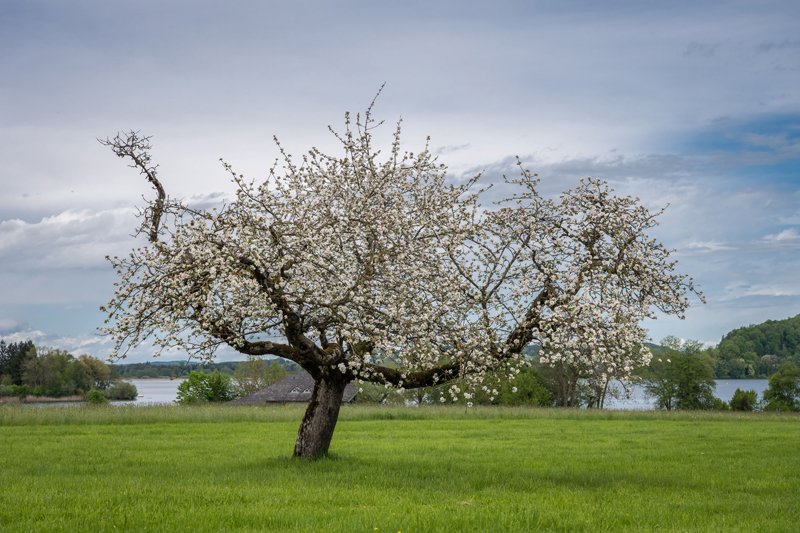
(396, 469)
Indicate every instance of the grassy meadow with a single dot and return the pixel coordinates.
(226, 468)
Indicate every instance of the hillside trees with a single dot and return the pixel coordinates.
(373, 266)
(759, 350)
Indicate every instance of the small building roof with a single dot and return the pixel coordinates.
(294, 388)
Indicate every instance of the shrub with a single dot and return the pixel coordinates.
(720, 405)
(21, 391)
(96, 397)
(122, 390)
(744, 400)
(783, 393)
(200, 387)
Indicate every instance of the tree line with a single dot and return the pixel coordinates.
(182, 369)
(758, 350)
(28, 371)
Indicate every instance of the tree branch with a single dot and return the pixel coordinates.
(137, 148)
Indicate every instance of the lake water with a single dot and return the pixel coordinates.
(165, 391)
(154, 391)
(638, 399)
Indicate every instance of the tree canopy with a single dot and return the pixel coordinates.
(379, 267)
(26, 370)
(783, 393)
(681, 376)
(759, 350)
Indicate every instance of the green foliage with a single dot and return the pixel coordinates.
(8, 390)
(96, 373)
(96, 397)
(681, 377)
(759, 350)
(373, 393)
(53, 373)
(13, 358)
(527, 388)
(201, 387)
(122, 390)
(720, 405)
(783, 393)
(26, 371)
(565, 385)
(744, 400)
(255, 374)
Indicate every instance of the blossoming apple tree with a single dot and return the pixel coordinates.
(375, 267)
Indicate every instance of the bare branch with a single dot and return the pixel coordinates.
(132, 145)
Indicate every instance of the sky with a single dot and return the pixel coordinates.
(692, 105)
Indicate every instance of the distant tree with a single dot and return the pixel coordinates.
(50, 373)
(200, 387)
(98, 373)
(256, 374)
(768, 364)
(54, 372)
(565, 383)
(783, 393)
(682, 377)
(527, 388)
(744, 400)
(13, 358)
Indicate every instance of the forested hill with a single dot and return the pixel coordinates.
(760, 349)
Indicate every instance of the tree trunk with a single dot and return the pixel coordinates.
(316, 431)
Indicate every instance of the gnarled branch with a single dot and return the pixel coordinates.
(134, 146)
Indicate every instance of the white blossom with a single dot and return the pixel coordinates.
(378, 267)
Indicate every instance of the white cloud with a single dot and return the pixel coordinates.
(9, 325)
(789, 234)
(706, 246)
(69, 239)
(584, 92)
(100, 346)
(739, 289)
(24, 335)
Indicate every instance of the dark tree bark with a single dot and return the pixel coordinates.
(316, 430)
